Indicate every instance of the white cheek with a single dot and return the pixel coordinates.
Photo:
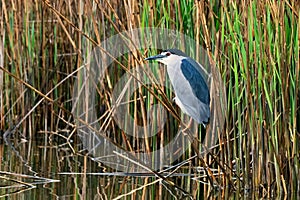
(168, 60)
(172, 61)
(163, 61)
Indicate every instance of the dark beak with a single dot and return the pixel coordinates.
(155, 57)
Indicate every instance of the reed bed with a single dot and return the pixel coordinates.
(254, 45)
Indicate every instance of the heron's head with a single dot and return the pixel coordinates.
(168, 56)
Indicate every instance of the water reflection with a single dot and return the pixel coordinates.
(51, 168)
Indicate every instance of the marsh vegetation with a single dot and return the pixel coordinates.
(253, 45)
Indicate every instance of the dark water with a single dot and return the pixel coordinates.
(52, 168)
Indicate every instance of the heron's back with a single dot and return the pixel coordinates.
(192, 94)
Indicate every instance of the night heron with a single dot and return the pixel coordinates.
(191, 91)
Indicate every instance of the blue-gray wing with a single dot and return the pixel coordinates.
(195, 80)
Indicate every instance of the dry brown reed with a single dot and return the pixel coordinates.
(254, 44)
